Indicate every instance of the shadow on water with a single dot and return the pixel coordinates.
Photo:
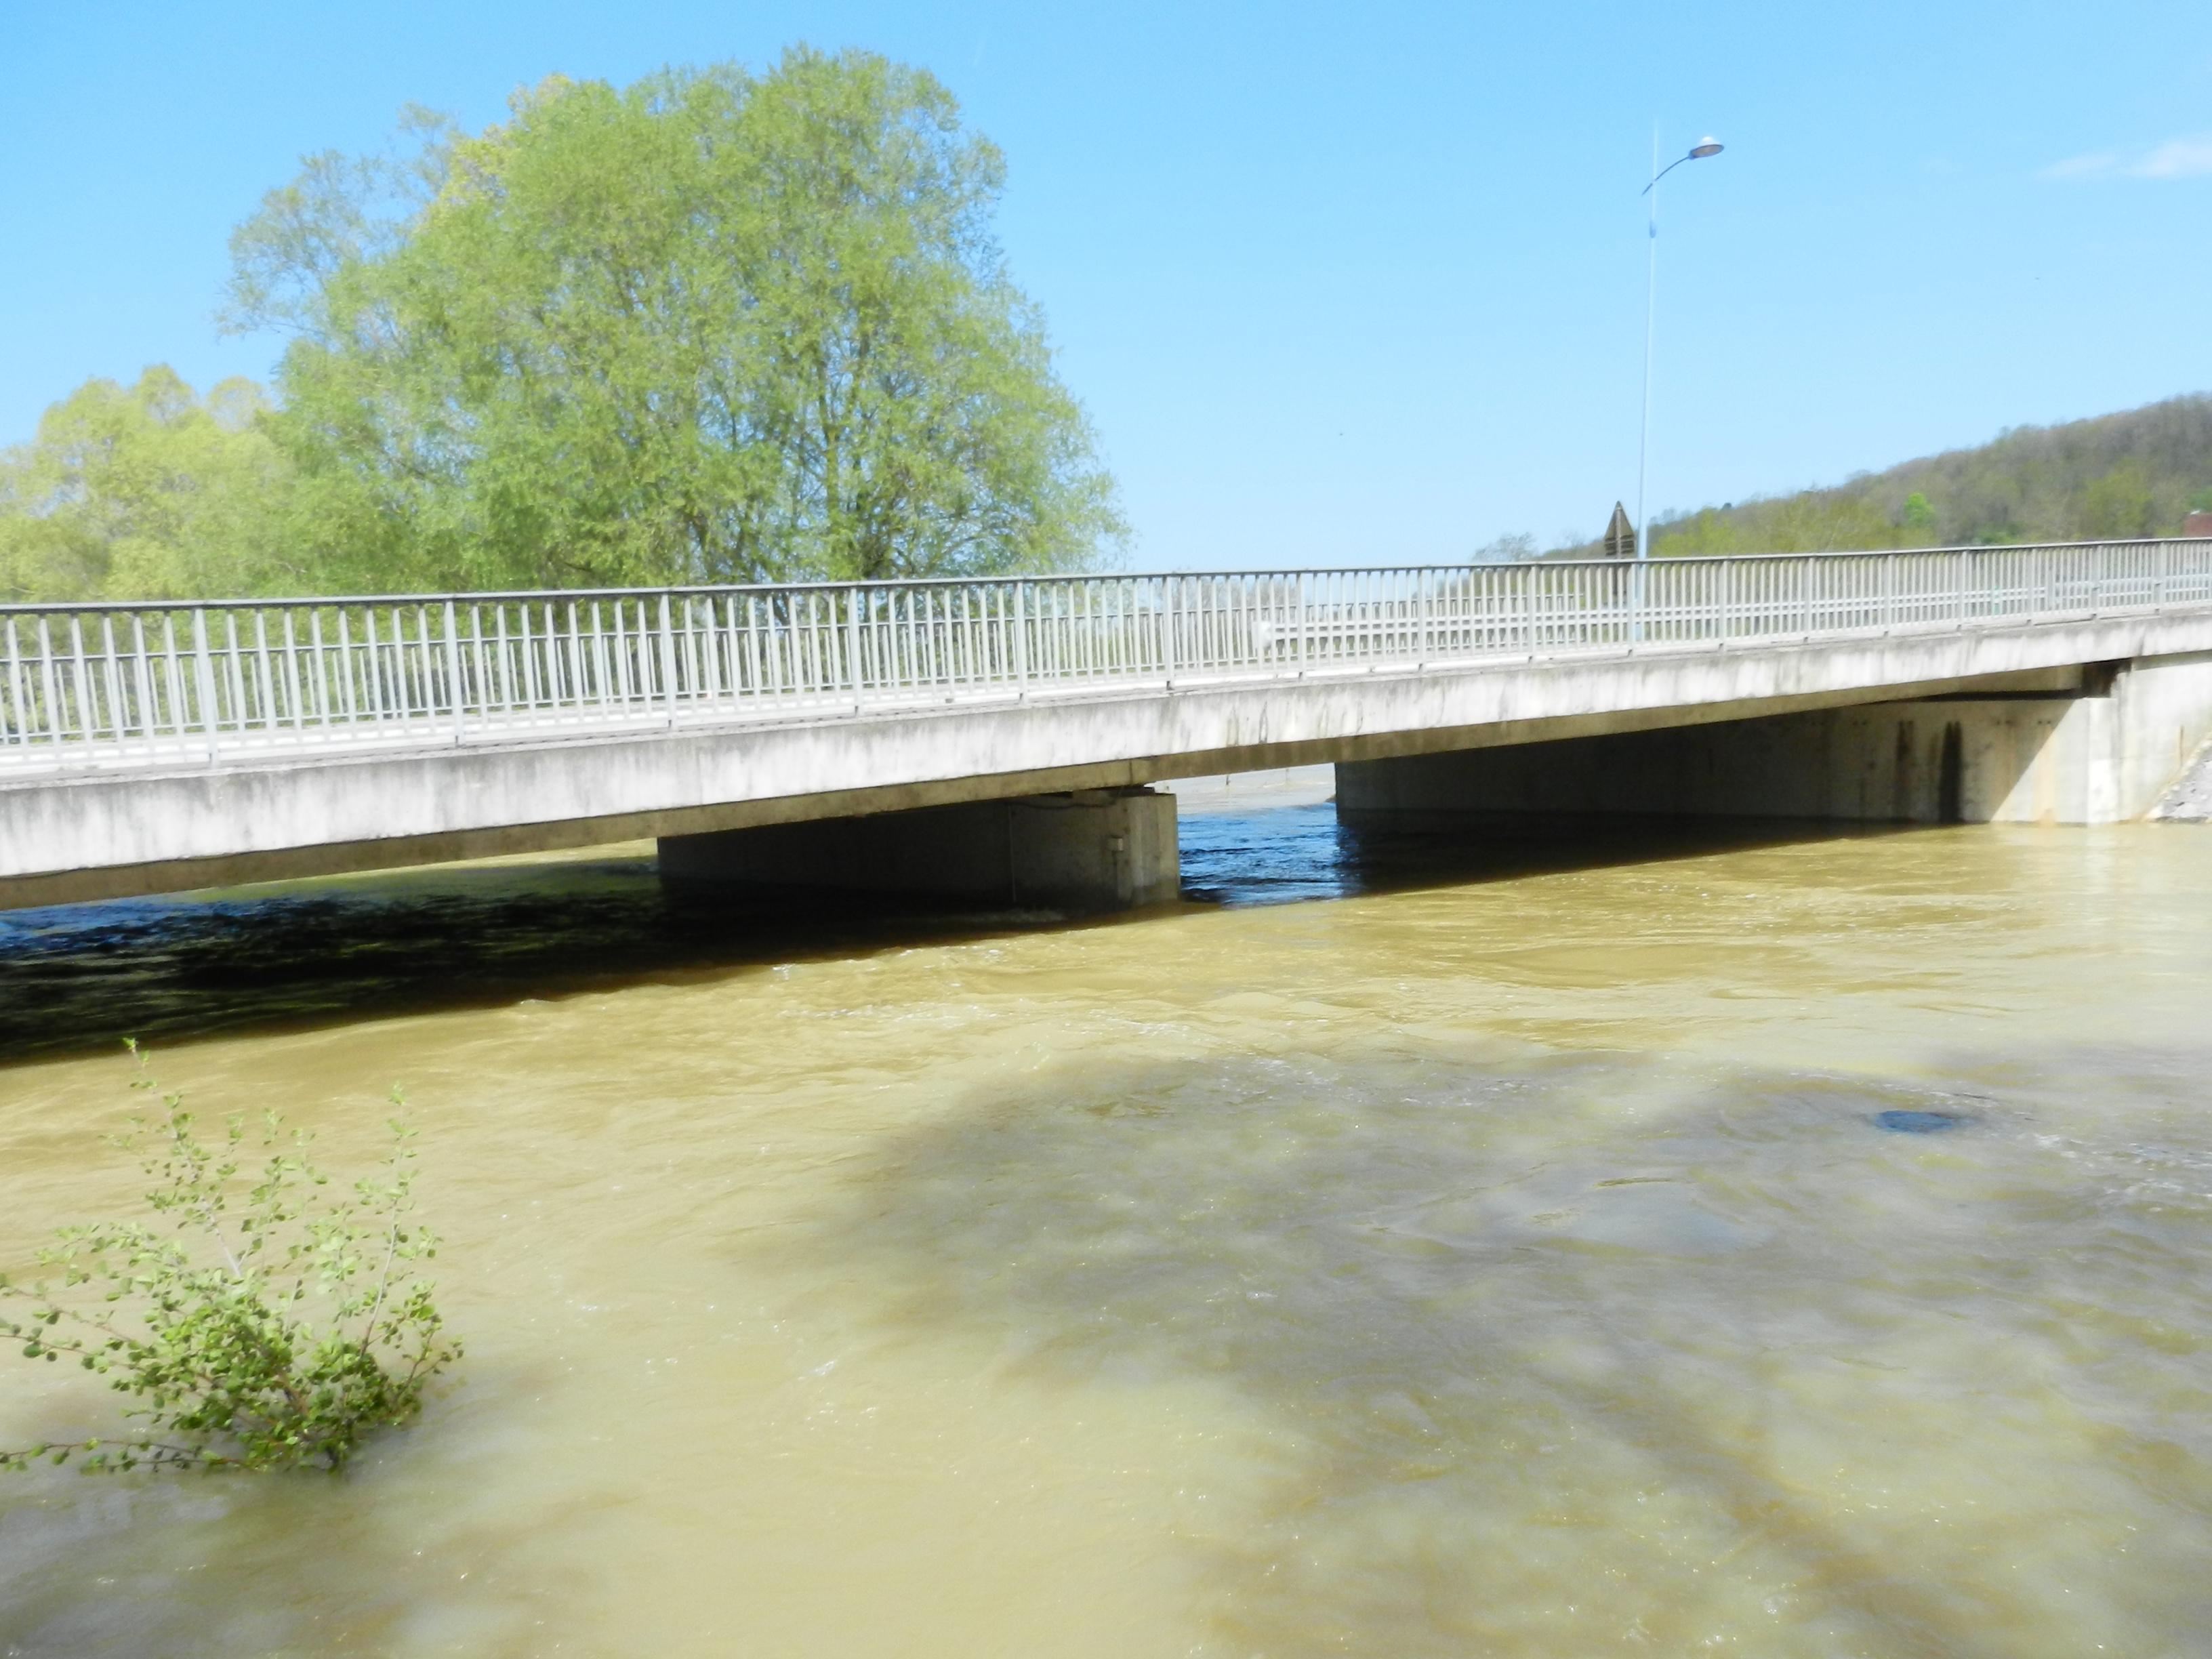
(1523, 1351)
(188, 966)
(1500, 1386)
(1511, 1385)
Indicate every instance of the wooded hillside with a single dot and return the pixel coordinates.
(2136, 473)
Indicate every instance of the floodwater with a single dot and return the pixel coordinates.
(1688, 1243)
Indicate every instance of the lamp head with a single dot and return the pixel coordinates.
(1705, 147)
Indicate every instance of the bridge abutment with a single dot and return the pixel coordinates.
(2104, 753)
(1090, 851)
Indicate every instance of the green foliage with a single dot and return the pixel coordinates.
(259, 1324)
(714, 326)
(2116, 476)
(145, 490)
(1796, 524)
(2120, 504)
(339, 211)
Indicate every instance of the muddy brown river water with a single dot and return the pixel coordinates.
(1499, 1252)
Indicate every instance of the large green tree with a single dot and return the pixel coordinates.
(713, 326)
(146, 491)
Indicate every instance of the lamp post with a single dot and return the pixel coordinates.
(1699, 151)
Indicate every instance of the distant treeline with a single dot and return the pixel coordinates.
(2137, 473)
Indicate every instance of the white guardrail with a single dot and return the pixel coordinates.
(131, 686)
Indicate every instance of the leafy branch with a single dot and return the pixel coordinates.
(263, 1320)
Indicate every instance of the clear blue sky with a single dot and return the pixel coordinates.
(1336, 284)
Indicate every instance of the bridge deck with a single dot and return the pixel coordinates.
(114, 689)
(148, 748)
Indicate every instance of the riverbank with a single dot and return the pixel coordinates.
(1253, 792)
(2191, 799)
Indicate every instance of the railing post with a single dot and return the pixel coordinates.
(15, 727)
(204, 676)
(853, 638)
(81, 680)
(1021, 634)
(453, 669)
(668, 660)
(1167, 627)
(50, 680)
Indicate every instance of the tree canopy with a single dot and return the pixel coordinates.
(713, 326)
(146, 490)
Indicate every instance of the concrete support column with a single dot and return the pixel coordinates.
(2162, 714)
(1090, 851)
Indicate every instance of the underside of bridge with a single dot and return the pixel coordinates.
(2098, 744)
(2102, 752)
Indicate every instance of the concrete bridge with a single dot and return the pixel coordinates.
(994, 737)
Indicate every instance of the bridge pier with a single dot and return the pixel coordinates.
(1090, 851)
(2103, 753)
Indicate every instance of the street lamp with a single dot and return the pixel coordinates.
(1699, 151)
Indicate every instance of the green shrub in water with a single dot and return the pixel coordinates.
(258, 1323)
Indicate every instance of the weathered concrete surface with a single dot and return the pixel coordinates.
(2105, 753)
(1092, 850)
(94, 837)
(2190, 800)
(2162, 715)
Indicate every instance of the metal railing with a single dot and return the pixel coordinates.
(108, 686)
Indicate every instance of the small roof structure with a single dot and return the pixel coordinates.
(2198, 523)
(1620, 535)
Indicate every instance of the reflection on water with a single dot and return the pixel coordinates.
(1513, 1255)
(192, 964)
(185, 965)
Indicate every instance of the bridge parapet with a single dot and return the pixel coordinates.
(156, 687)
